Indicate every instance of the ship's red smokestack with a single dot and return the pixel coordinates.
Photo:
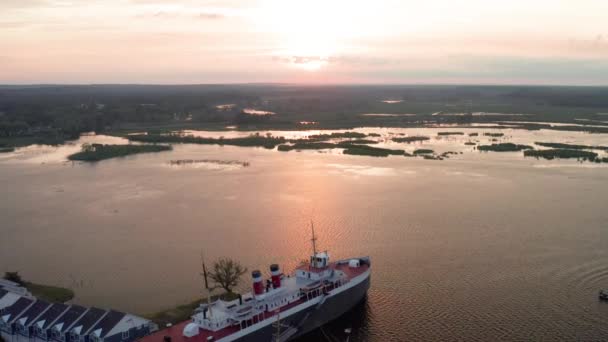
(258, 286)
(276, 275)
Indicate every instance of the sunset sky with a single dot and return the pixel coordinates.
(305, 41)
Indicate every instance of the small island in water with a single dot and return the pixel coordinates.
(97, 152)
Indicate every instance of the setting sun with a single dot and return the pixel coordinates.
(311, 32)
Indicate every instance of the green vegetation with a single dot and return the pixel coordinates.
(337, 135)
(50, 293)
(495, 135)
(423, 151)
(268, 141)
(349, 148)
(563, 154)
(50, 114)
(53, 294)
(310, 145)
(97, 152)
(470, 143)
(284, 148)
(450, 133)
(183, 312)
(571, 146)
(473, 134)
(361, 141)
(504, 147)
(363, 150)
(569, 128)
(410, 139)
(376, 135)
(6, 149)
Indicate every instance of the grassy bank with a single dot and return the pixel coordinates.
(363, 150)
(504, 147)
(97, 152)
(183, 312)
(410, 139)
(49, 293)
(450, 133)
(564, 154)
(338, 135)
(362, 141)
(309, 145)
(350, 147)
(571, 146)
(254, 140)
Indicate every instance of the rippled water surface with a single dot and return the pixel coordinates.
(482, 246)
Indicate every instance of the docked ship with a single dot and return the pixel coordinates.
(282, 308)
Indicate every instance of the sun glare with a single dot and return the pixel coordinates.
(312, 65)
(311, 32)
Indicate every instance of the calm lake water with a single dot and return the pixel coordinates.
(482, 246)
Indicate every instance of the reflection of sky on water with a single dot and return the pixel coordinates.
(455, 238)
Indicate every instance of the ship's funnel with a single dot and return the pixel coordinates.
(258, 286)
(275, 271)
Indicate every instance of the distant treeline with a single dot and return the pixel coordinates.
(53, 113)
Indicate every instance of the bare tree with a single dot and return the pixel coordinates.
(227, 273)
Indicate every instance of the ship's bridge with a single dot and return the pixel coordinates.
(320, 260)
(317, 269)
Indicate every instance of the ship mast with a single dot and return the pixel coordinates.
(314, 239)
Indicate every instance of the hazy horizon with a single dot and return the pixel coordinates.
(439, 42)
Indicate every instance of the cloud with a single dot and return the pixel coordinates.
(173, 14)
(32, 4)
(17, 4)
(12, 24)
(302, 59)
(599, 43)
(211, 16)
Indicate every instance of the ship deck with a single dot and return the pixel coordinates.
(176, 332)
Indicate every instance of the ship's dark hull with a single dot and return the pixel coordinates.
(306, 320)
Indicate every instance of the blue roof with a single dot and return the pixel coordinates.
(108, 322)
(34, 311)
(90, 318)
(70, 316)
(17, 308)
(51, 314)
